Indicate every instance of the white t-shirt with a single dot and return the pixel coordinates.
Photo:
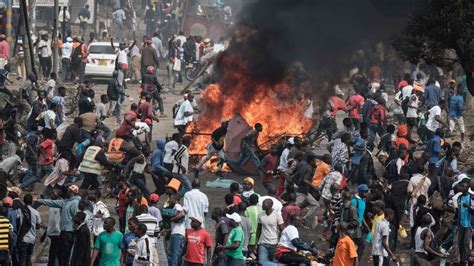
(411, 111)
(195, 203)
(180, 119)
(48, 116)
(432, 124)
(45, 50)
(50, 86)
(287, 235)
(122, 56)
(178, 228)
(382, 229)
(406, 91)
(170, 146)
(142, 128)
(66, 50)
(269, 227)
(183, 156)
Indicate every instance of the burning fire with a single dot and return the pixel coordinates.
(275, 107)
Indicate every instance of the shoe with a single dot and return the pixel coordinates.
(163, 115)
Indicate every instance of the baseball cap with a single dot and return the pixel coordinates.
(234, 216)
(363, 187)
(7, 201)
(154, 197)
(402, 84)
(197, 218)
(249, 180)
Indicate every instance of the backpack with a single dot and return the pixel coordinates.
(114, 154)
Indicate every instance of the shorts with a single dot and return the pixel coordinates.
(453, 121)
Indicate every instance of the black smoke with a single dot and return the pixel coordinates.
(322, 34)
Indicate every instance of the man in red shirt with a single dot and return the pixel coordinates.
(145, 111)
(377, 121)
(46, 159)
(197, 243)
(268, 166)
(128, 123)
(290, 209)
(354, 104)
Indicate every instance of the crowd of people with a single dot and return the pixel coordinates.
(397, 165)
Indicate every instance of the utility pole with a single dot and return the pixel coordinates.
(28, 45)
(95, 18)
(55, 36)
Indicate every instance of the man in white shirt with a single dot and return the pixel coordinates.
(170, 149)
(50, 116)
(152, 224)
(269, 222)
(178, 231)
(66, 52)
(44, 48)
(434, 119)
(99, 212)
(380, 248)
(195, 203)
(185, 114)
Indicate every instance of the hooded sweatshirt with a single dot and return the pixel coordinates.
(157, 157)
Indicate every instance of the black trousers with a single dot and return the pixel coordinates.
(46, 66)
(53, 250)
(90, 181)
(292, 258)
(24, 253)
(67, 240)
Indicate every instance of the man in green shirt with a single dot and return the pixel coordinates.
(109, 244)
(252, 212)
(235, 242)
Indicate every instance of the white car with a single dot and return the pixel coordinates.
(101, 60)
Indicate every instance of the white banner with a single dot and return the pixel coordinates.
(42, 3)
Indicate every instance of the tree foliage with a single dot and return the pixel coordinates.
(441, 34)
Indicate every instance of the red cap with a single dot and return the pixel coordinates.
(154, 197)
(402, 84)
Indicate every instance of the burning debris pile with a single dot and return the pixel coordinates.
(276, 101)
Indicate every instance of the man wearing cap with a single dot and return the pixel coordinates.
(216, 147)
(197, 243)
(235, 242)
(69, 208)
(66, 52)
(362, 164)
(195, 203)
(152, 209)
(248, 185)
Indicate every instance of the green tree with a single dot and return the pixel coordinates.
(441, 34)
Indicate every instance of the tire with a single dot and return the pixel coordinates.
(191, 73)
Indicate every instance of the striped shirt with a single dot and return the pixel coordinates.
(5, 229)
(152, 225)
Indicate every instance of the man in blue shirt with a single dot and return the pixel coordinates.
(456, 108)
(432, 94)
(464, 219)
(434, 152)
(359, 202)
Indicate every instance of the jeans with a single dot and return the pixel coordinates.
(115, 109)
(211, 151)
(175, 249)
(53, 250)
(374, 129)
(266, 252)
(33, 168)
(66, 68)
(234, 262)
(185, 184)
(67, 240)
(244, 154)
(24, 254)
(314, 204)
(43, 171)
(464, 241)
(90, 181)
(45, 66)
(139, 181)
